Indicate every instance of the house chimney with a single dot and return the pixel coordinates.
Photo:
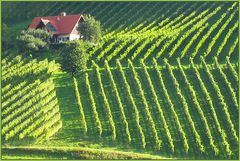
(63, 14)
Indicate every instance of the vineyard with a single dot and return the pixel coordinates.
(147, 108)
(162, 81)
(208, 29)
(29, 108)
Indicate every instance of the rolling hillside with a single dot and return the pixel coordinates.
(163, 81)
(145, 30)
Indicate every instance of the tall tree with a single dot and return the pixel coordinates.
(90, 29)
(5, 37)
(74, 57)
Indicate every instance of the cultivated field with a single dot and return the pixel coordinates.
(163, 82)
(29, 105)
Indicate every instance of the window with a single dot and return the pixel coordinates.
(50, 27)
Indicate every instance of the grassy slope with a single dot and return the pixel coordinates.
(70, 153)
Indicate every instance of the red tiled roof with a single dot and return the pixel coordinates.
(63, 24)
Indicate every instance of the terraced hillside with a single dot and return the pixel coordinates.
(163, 82)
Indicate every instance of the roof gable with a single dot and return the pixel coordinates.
(63, 24)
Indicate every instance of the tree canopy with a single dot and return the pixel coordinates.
(31, 41)
(90, 29)
(5, 37)
(74, 57)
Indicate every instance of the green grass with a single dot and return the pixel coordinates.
(71, 153)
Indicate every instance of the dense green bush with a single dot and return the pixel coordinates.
(90, 29)
(5, 37)
(74, 56)
(33, 41)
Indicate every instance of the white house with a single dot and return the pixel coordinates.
(63, 27)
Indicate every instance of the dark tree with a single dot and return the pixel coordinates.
(33, 41)
(74, 57)
(5, 37)
(90, 29)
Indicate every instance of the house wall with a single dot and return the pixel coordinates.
(75, 31)
(75, 34)
(74, 37)
(63, 38)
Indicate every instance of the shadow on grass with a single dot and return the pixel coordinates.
(72, 134)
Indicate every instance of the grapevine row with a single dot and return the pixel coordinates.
(123, 117)
(180, 128)
(79, 104)
(221, 99)
(106, 104)
(199, 109)
(159, 108)
(134, 106)
(93, 105)
(151, 123)
(210, 103)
